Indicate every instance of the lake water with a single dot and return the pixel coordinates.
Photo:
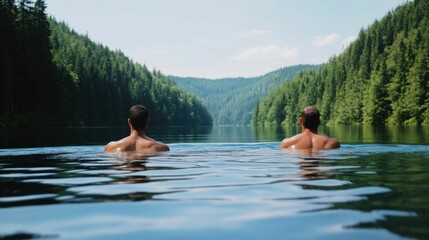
(215, 183)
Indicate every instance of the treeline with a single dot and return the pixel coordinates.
(52, 76)
(381, 78)
(231, 101)
(103, 84)
(28, 85)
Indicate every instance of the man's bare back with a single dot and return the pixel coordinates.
(308, 139)
(136, 143)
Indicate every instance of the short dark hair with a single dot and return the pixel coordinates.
(310, 117)
(138, 116)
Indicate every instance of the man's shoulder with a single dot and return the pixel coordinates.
(330, 143)
(152, 145)
(333, 143)
(119, 145)
(287, 142)
(161, 147)
(132, 143)
(111, 146)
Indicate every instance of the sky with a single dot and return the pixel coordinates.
(222, 38)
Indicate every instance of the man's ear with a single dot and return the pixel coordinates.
(300, 121)
(129, 123)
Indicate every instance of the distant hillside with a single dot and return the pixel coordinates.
(381, 78)
(231, 100)
(107, 83)
(52, 76)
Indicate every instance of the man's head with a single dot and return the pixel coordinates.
(138, 117)
(310, 118)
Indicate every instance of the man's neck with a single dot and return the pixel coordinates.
(140, 133)
(307, 130)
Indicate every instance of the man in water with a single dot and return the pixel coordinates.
(138, 121)
(309, 138)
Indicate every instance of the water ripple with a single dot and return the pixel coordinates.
(238, 187)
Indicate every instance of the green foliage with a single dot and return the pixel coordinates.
(108, 83)
(50, 75)
(381, 78)
(27, 82)
(231, 101)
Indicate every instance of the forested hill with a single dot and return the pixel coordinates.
(381, 78)
(52, 76)
(231, 100)
(109, 83)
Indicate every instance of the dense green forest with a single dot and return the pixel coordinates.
(231, 100)
(381, 78)
(52, 76)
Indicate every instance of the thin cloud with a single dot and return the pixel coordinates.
(321, 41)
(270, 52)
(349, 40)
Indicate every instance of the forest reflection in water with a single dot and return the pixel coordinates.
(41, 137)
(352, 134)
(233, 190)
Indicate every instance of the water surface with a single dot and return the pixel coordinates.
(42, 137)
(219, 184)
(212, 191)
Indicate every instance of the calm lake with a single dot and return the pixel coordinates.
(215, 183)
(42, 137)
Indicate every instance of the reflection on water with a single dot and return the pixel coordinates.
(37, 137)
(353, 134)
(216, 190)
